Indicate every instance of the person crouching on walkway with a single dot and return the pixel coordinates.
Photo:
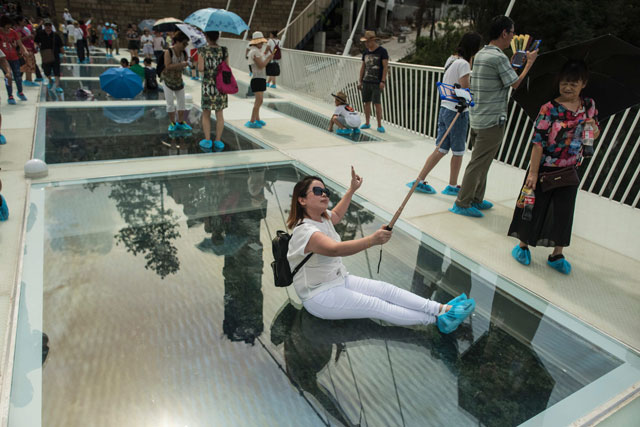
(457, 71)
(323, 284)
(175, 60)
(209, 58)
(345, 118)
(258, 61)
(557, 146)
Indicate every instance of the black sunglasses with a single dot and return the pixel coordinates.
(319, 190)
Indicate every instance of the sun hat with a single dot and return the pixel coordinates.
(257, 38)
(340, 96)
(47, 22)
(106, 24)
(368, 35)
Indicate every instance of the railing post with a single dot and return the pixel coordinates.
(347, 48)
(228, 4)
(511, 3)
(284, 36)
(250, 18)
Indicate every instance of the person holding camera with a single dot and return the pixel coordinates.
(493, 75)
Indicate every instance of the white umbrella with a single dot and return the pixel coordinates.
(197, 38)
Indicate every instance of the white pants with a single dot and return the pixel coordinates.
(361, 298)
(169, 95)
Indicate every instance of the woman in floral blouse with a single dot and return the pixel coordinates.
(557, 144)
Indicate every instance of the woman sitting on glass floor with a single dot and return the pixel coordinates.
(325, 287)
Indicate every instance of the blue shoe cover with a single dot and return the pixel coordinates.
(381, 129)
(39, 79)
(458, 299)
(561, 265)
(356, 131)
(183, 126)
(483, 206)
(422, 188)
(343, 131)
(523, 256)
(3, 140)
(450, 190)
(449, 321)
(253, 125)
(261, 122)
(4, 209)
(473, 212)
(365, 126)
(218, 146)
(59, 89)
(206, 144)
(12, 101)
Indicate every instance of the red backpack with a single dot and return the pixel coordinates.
(277, 54)
(225, 82)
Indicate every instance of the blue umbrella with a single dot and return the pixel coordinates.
(124, 115)
(211, 19)
(121, 83)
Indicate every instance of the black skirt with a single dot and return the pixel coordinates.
(552, 218)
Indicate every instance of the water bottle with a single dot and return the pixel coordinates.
(587, 141)
(525, 202)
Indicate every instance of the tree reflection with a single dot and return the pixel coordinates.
(151, 227)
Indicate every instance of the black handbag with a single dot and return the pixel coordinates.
(273, 69)
(563, 177)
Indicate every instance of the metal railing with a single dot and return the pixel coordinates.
(304, 22)
(410, 101)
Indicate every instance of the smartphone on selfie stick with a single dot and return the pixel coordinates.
(520, 56)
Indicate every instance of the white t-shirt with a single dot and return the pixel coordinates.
(147, 40)
(70, 30)
(320, 272)
(457, 68)
(77, 33)
(350, 117)
(258, 73)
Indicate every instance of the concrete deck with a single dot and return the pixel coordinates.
(602, 290)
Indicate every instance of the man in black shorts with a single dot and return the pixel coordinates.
(51, 46)
(373, 77)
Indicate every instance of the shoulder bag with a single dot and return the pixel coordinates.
(563, 177)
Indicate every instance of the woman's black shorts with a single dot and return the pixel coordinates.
(134, 45)
(258, 85)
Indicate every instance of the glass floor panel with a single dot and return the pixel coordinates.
(108, 133)
(72, 59)
(316, 119)
(83, 70)
(72, 92)
(159, 308)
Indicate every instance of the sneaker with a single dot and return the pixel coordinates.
(523, 256)
(422, 187)
(4, 209)
(261, 122)
(218, 146)
(253, 125)
(22, 97)
(11, 100)
(381, 129)
(483, 206)
(39, 79)
(206, 145)
(183, 126)
(449, 321)
(450, 190)
(365, 126)
(343, 131)
(59, 89)
(3, 140)
(561, 265)
(471, 211)
(172, 127)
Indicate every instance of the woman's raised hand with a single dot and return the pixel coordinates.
(356, 180)
(381, 236)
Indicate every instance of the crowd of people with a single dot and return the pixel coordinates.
(323, 284)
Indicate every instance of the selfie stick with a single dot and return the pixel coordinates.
(448, 93)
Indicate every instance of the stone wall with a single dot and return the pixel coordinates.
(269, 14)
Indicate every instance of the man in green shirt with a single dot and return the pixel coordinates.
(137, 68)
(491, 77)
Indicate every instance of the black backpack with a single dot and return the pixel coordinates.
(282, 274)
(151, 83)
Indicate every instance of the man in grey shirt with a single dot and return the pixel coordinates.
(491, 77)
